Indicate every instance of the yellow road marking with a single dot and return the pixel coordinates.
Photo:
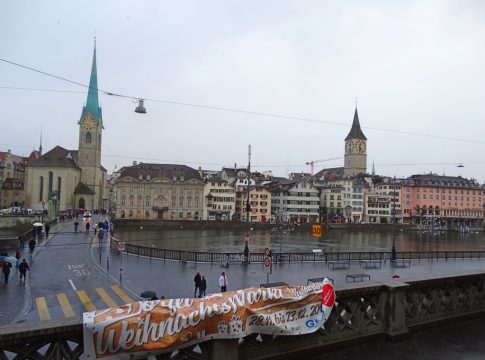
(88, 305)
(65, 306)
(121, 294)
(42, 308)
(106, 298)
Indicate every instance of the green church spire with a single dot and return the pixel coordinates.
(92, 103)
(373, 169)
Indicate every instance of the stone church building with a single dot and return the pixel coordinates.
(72, 178)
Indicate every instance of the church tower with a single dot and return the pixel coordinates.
(90, 188)
(355, 160)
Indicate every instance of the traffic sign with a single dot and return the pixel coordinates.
(121, 246)
(317, 231)
(267, 261)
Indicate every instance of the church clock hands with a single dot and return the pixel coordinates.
(89, 123)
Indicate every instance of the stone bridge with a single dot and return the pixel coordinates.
(362, 313)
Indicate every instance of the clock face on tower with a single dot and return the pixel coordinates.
(89, 123)
(361, 147)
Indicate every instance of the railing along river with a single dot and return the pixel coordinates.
(287, 257)
(361, 313)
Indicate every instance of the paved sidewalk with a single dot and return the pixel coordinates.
(15, 296)
(175, 279)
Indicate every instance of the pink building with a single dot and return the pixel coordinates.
(453, 201)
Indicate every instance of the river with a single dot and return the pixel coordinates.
(297, 241)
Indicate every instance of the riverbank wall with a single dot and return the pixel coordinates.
(242, 226)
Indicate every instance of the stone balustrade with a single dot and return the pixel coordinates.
(362, 312)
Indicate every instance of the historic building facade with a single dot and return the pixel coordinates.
(219, 199)
(159, 192)
(298, 198)
(443, 201)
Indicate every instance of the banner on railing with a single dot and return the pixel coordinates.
(150, 327)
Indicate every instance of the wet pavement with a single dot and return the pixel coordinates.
(71, 263)
(175, 279)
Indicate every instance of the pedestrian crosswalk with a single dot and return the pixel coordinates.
(79, 301)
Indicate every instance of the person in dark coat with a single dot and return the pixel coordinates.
(203, 286)
(47, 228)
(32, 244)
(197, 280)
(23, 267)
(6, 270)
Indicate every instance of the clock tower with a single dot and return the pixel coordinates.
(355, 159)
(90, 188)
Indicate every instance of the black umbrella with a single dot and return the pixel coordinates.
(149, 294)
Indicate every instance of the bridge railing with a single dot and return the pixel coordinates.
(290, 257)
(361, 312)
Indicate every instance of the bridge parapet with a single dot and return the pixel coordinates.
(361, 312)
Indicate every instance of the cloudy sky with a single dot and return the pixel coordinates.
(414, 67)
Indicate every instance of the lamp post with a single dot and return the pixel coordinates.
(248, 207)
(42, 216)
(393, 250)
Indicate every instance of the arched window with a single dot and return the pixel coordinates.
(88, 138)
(123, 200)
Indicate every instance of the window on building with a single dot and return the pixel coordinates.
(174, 201)
(59, 183)
(181, 201)
(132, 200)
(51, 184)
(88, 138)
(123, 200)
(41, 188)
(147, 200)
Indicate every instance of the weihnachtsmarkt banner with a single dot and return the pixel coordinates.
(150, 327)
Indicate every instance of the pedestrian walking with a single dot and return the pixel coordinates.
(23, 267)
(105, 229)
(203, 286)
(197, 279)
(32, 244)
(17, 256)
(47, 228)
(76, 224)
(95, 228)
(6, 270)
(88, 225)
(223, 282)
(21, 242)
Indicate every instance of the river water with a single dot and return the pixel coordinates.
(297, 241)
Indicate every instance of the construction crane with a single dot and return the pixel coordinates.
(318, 161)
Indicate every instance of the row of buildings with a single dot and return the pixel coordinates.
(63, 178)
(178, 192)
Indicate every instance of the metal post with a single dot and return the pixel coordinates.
(248, 207)
(121, 266)
(393, 250)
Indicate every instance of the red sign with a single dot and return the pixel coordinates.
(121, 246)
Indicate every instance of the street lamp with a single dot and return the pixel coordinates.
(248, 207)
(393, 250)
(42, 216)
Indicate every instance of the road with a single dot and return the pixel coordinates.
(64, 280)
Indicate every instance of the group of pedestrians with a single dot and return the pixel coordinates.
(22, 268)
(201, 284)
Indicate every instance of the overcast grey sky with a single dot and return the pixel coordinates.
(415, 66)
